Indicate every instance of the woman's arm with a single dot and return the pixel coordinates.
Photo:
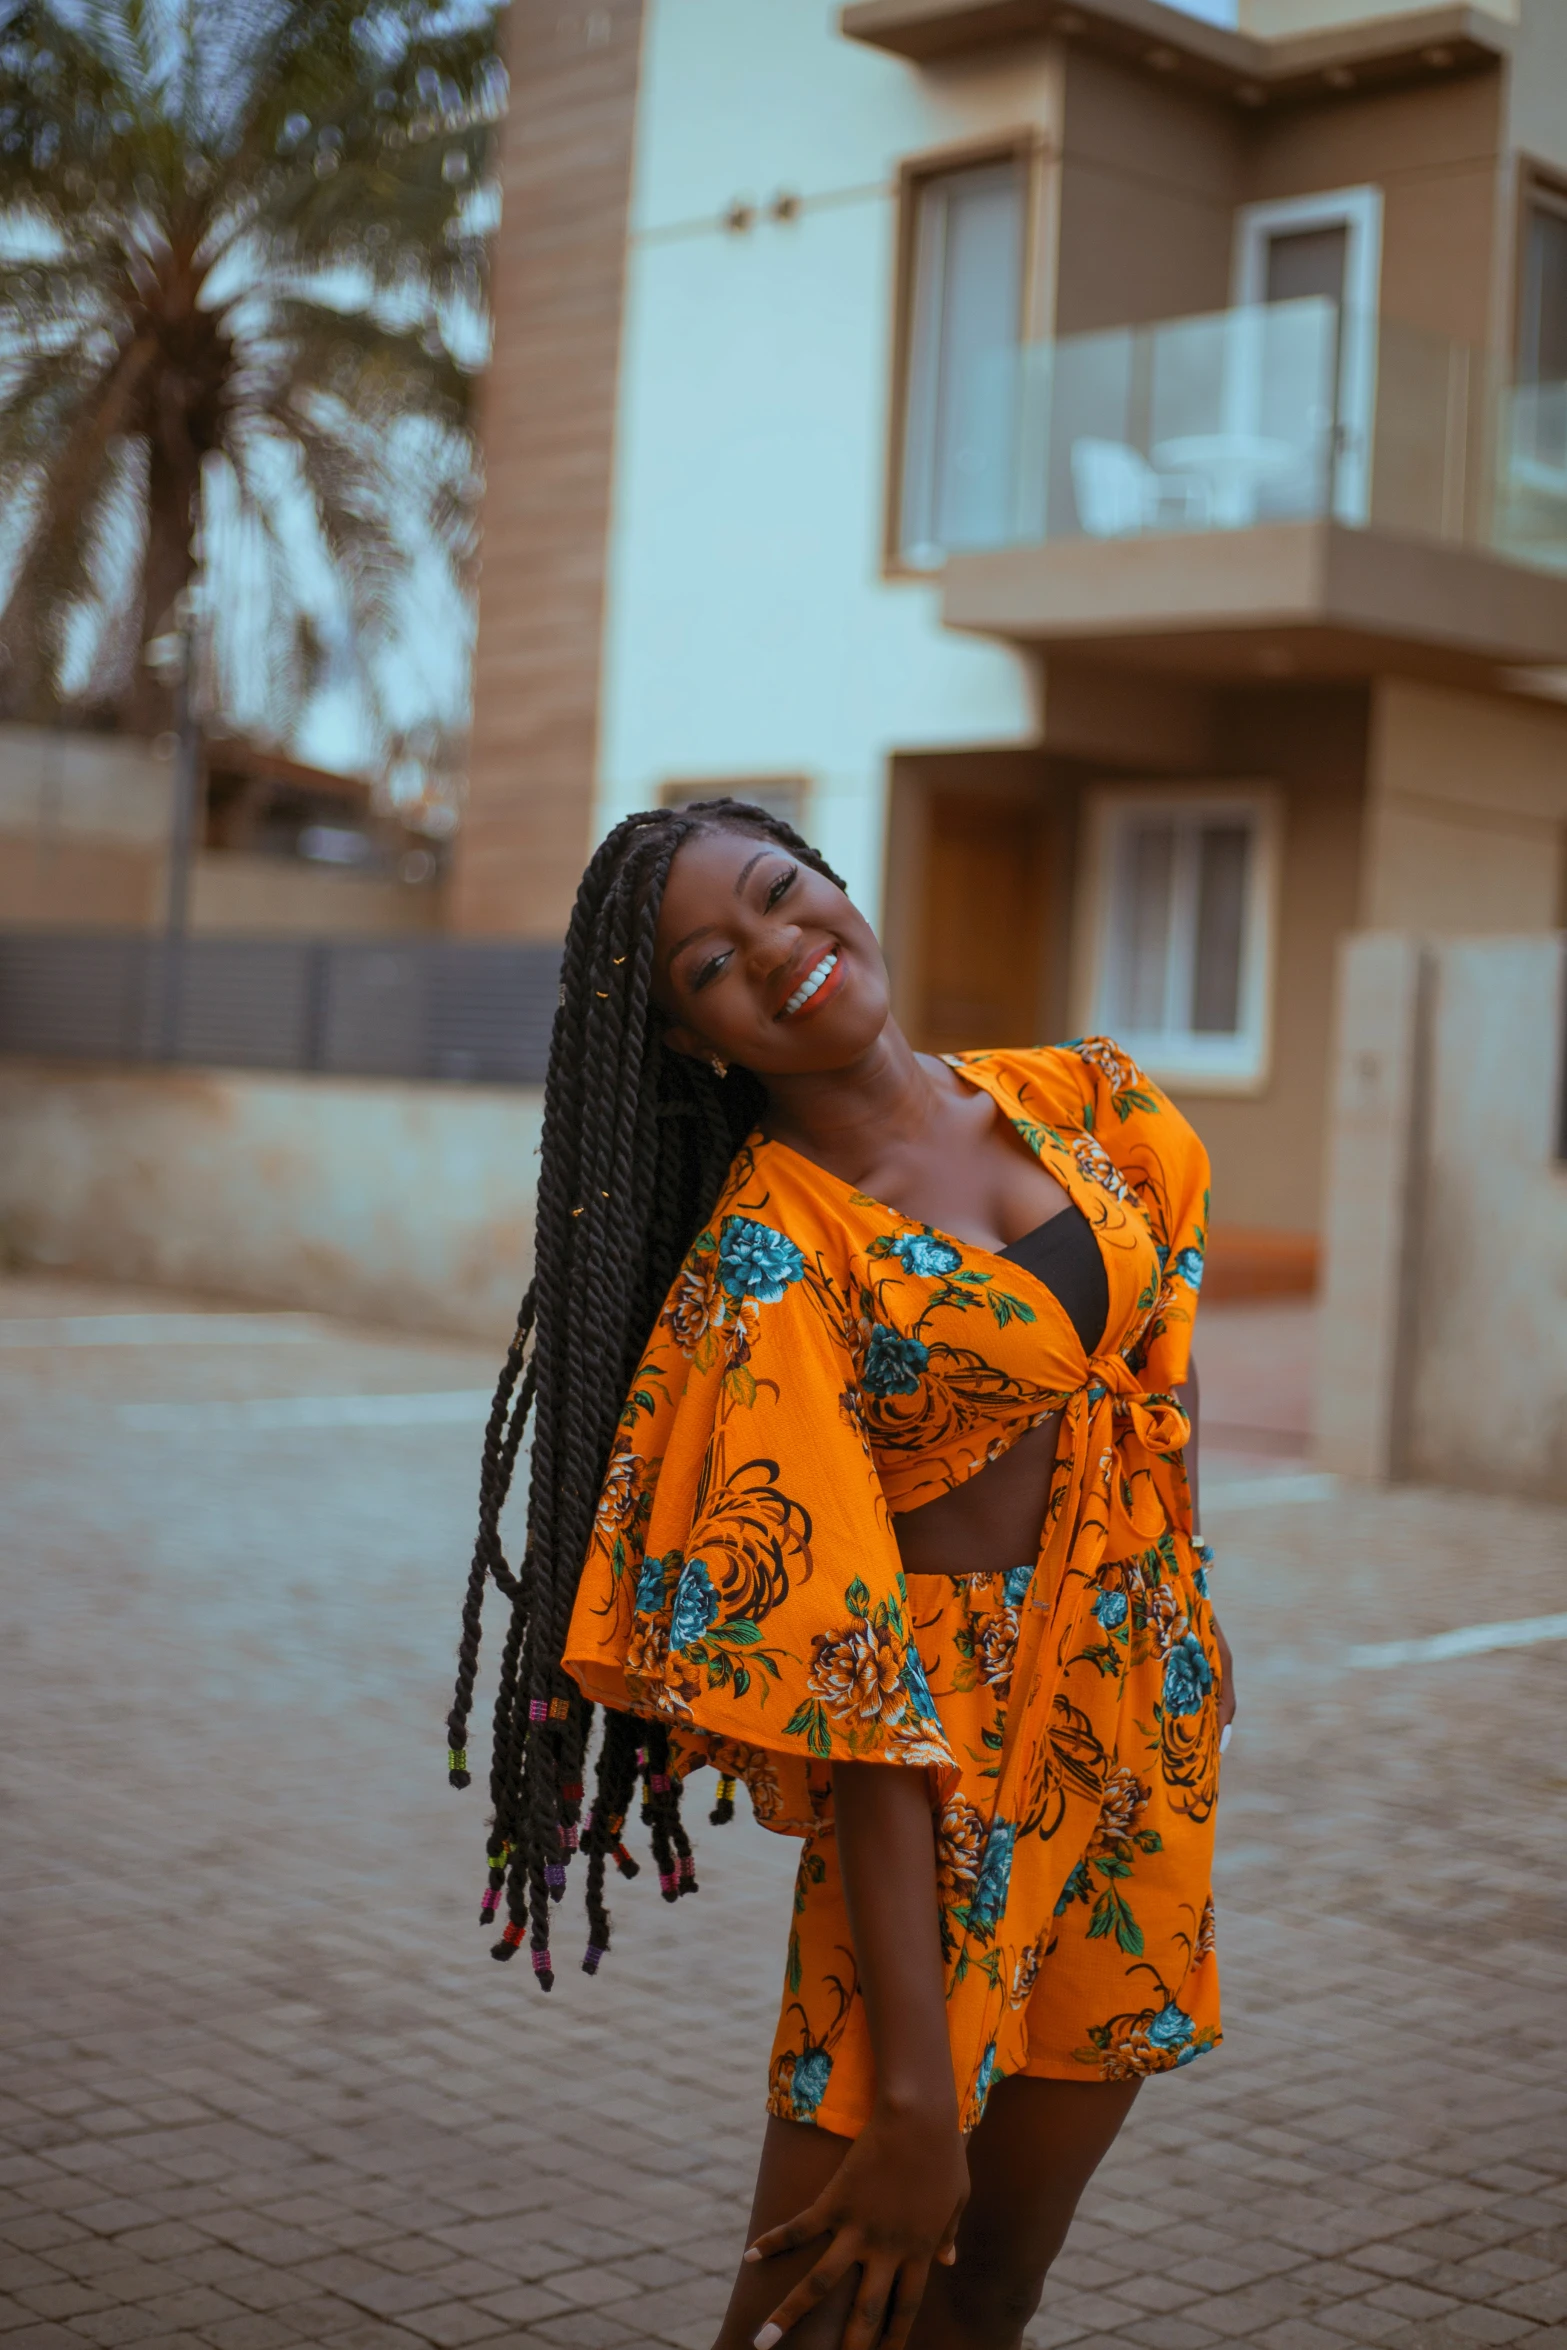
(1189, 1397)
(893, 2204)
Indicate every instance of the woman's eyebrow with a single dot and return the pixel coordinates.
(750, 865)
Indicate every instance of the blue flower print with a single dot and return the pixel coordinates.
(983, 2078)
(696, 1604)
(1078, 1887)
(1200, 1578)
(812, 2072)
(922, 1254)
(987, 1904)
(1172, 2027)
(1015, 1583)
(1187, 1266)
(650, 1588)
(918, 1687)
(893, 1365)
(1110, 1608)
(1188, 1677)
(755, 1261)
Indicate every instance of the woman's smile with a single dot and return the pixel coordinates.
(820, 985)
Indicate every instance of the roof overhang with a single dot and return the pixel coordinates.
(1417, 47)
(1284, 599)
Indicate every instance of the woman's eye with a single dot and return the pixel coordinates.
(784, 881)
(710, 970)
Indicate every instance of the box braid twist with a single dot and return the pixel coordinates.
(637, 1143)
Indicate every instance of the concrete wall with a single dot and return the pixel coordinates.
(387, 1202)
(1444, 1339)
(84, 829)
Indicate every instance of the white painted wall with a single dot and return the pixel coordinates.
(749, 628)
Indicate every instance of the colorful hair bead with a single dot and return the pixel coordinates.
(538, 1709)
(560, 1707)
(590, 1962)
(457, 1766)
(489, 1904)
(624, 1862)
(571, 1791)
(542, 1967)
(687, 1872)
(723, 1810)
(555, 1879)
(669, 1884)
(659, 1782)
(510, 1942)
(570, 1836)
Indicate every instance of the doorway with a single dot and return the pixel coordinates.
(982, 925)
(1325, 248)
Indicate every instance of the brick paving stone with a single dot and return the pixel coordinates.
(261, 2087)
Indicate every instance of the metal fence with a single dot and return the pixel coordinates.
(373, 1008)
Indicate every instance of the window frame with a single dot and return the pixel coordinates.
(678, 791)
(1033, 150)
(1183, 1061)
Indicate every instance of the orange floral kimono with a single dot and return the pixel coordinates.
(822, 1364)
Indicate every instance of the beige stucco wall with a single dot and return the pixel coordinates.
(1466, 820)
(1443, 1346)
(278, 897)
(397, 1203)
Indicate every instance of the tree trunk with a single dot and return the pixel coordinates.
(173, 494)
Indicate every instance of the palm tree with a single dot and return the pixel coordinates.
(242, 305)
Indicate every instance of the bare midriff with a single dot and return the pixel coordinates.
(990, 1524)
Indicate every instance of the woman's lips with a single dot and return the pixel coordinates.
(823, 981)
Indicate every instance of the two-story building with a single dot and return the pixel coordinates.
(1102, 470)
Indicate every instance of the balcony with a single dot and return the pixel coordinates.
(1295, 486)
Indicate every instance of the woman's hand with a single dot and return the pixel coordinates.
(891, 2207)
(1226, 1684)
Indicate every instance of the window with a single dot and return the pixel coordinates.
(1183, 891)
(1541, 432)
(961, 386)
(780, 795)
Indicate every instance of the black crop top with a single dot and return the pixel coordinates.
(1063, 1254)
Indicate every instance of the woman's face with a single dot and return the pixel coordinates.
(763, 961)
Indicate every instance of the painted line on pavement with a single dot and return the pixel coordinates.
(447, 1407)
(156, 1330)
(1244, 1492)
(1466, 1640)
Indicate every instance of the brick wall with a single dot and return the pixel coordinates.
(549, 438)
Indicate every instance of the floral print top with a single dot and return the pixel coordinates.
(823, 1363)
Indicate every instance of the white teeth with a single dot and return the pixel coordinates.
(808, 986)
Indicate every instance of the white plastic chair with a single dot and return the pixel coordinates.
(1119, 494)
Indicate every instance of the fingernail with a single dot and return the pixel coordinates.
(1225, 1735)
(751, 2253)
(768, 2336)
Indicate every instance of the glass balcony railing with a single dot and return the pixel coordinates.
(1285, 412)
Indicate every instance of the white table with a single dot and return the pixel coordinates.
(1236, 465)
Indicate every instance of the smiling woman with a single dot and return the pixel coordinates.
(860, 1474)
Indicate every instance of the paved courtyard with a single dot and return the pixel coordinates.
(260, 2084)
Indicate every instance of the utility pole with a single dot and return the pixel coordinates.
(179, 653)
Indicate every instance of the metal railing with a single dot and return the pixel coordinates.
(413, 1008)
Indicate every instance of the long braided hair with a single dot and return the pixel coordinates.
(637, 1142)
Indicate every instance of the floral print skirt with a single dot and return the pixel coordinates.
(1108, 1976)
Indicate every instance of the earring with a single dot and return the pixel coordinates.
(718, 1067)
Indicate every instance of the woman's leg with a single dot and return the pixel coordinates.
(797, 2161)
(1030, 2159)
